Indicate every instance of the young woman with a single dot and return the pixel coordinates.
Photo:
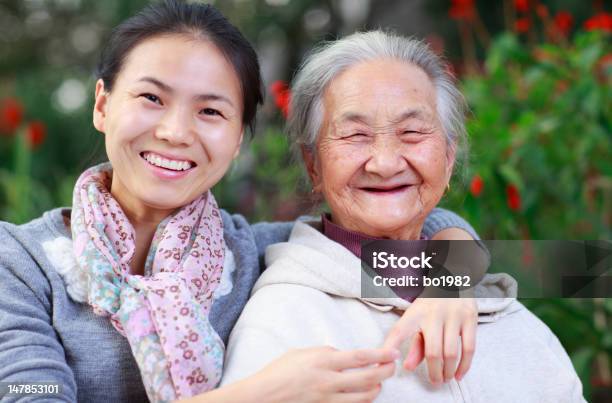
(133, 291)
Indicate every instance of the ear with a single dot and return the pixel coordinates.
(100, 105)
(450, 161)
(237, 152)
(311, 167)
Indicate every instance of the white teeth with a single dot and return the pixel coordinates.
(165, 163)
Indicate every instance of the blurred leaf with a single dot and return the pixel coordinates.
(511, 175)
(582, 360)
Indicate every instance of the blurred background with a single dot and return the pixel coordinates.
(537, 76)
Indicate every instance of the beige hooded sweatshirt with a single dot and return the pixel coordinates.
(310, 296)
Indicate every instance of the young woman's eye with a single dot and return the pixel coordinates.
(210, 112)
(152, 98)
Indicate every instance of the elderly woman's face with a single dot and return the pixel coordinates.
(382, 162)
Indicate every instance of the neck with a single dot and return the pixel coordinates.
(143, 218)
(351, 239)
(406, 232)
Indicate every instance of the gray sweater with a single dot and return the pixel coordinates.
(47, 336)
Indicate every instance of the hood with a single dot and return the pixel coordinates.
(310, 259)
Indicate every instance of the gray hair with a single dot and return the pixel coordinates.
(332, 58)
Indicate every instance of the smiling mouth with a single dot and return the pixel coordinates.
(159, 161)
(386, 190)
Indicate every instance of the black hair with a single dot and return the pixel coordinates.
(201, 20)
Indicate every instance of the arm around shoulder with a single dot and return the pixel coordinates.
(440, 219)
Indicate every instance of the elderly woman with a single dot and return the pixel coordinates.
(379, 123)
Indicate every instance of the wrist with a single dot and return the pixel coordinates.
(262, 387)
(239, 392)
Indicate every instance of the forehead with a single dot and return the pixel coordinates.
(180, 61)
(380, 89)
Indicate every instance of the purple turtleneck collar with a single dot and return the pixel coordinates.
(351, 240)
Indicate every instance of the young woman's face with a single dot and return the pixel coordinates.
(172, 122)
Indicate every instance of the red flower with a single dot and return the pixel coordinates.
(603, 67)
(476, 185)
(521, 5)
(283, 101)
(522, 24)
(278, 87)
(601, 21)
(564, 22)
(561, 86)
(282, 96)
(462, 9)
(542, 11)
(35, 134)
(513, 197)
(606, 60)
(11, 113)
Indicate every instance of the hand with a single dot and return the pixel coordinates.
(324, 374)
(435, 326)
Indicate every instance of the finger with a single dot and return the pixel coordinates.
(341, 360)
(363, 379)
(356, 397)
(451, 349)
(433, 352)
(468, 346)
(416, 352)
(403, 329)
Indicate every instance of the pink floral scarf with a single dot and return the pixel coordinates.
(164, 316)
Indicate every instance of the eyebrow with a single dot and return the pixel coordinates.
(405, 115)
(200, 97)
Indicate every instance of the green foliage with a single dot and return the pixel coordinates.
(542, 121)
(266, 183)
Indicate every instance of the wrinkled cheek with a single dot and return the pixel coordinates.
(341, 204)
(432, 165)
(433, 187)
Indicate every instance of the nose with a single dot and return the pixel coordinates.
(176, 127)
(386, 157)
